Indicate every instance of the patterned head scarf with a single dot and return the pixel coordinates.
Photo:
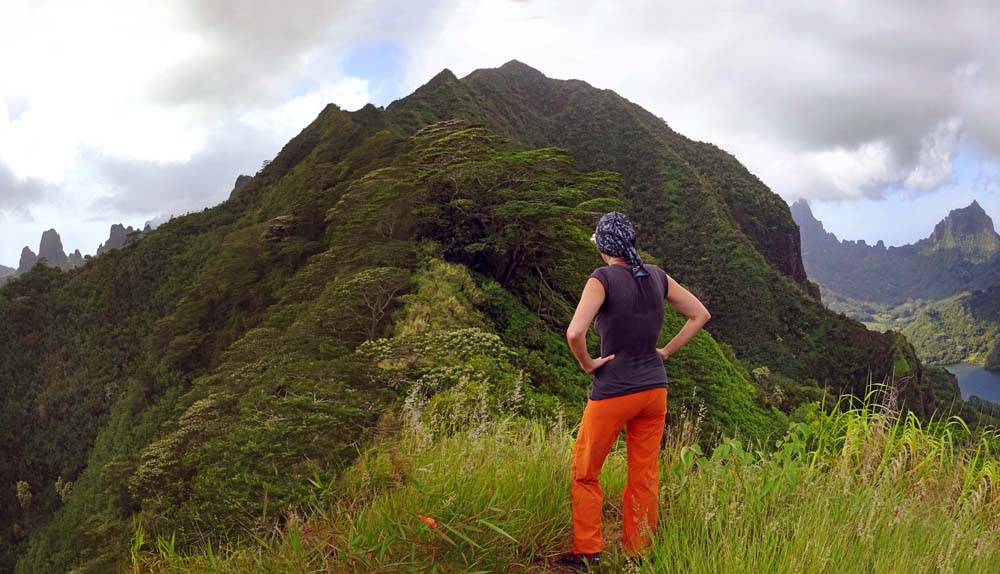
(615, 236)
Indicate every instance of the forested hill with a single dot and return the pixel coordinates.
(963, 328)
(229, 364)
(716, 226)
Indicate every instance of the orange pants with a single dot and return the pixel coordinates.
(643, 415)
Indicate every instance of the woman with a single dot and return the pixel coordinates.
(629, 389)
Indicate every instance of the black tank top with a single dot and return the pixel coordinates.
(629, 323)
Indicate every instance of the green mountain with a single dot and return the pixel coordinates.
(961, 254)
(715, 226)
(227, 366)
(967, 231)
(941, 291)
(965, 327)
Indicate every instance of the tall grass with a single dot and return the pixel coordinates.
(861, 489)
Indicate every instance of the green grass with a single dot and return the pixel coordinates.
(857, 489)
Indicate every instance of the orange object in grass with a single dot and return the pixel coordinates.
(428, 520)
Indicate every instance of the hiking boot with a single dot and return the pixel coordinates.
(580, 562)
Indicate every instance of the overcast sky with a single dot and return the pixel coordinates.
(122, 111)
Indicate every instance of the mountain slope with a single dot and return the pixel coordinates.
(228, 365)
(270, 332)
(715, 226)
(965, 327)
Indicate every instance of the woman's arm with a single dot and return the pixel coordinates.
(576, 333)
(689, 306)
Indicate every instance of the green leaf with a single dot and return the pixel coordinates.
(499, 530)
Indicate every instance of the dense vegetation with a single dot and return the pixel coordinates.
(964, 328)
(862, 490)
(228, 367)
(715, 226)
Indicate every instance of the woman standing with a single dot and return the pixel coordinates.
(629, 389)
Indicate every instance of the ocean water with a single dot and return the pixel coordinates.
(975, 380)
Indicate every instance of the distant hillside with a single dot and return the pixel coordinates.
(229, 366)
(961, 254)
(941, 292)
(962, 328)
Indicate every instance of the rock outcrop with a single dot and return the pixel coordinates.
(28, 260)
(118, 237)
(241, 182)
(51, 249)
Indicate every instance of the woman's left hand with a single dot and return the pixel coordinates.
(596, 364)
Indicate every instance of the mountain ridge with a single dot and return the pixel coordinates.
(606, 131)
(226, 368)
(962, 253)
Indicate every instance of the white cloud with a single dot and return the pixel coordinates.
(937, 152)
(838, 99)
(296, 113)
(133, 109)
(141, 109)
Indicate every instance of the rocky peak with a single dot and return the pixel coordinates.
(121, 235)
(241, 182)
(967, 229)
(28, 260)
(116, 239)
(814, 236)
(802, 213)
(518, 68)
(51, 249)
(965, 221)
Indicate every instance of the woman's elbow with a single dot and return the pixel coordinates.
(574, 334)
(704, 316)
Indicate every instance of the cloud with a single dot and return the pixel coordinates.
(146, 80)
(237, 144)
(138, 109)
(17, 194)
(249, 52)
(834, 100)
(125, 109)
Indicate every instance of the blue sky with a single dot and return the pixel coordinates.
(383, 65)
(901, 217)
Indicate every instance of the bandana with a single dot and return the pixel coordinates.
(615, 236)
